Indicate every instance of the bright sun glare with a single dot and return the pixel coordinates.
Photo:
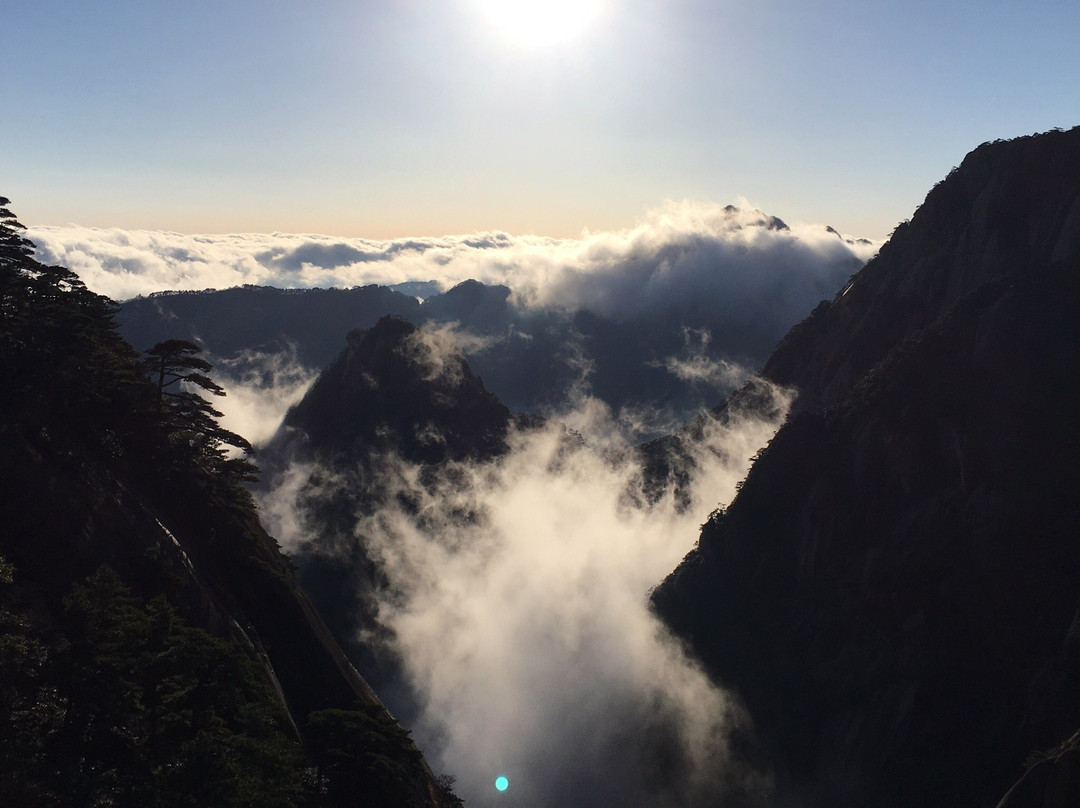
(540, 22)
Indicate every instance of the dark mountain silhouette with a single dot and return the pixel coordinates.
(391, 389)
(394, 395)
(476, 306)
(531, 358)
(154, 647)
(894, 590)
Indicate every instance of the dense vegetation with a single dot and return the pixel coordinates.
(123, 702)
(154, 650)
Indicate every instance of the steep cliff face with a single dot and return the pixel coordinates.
(1010, 210)
(894, 591)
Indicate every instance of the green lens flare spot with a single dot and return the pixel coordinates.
(501, 783)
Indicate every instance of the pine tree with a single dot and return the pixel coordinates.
(179, 373)
(60, 354)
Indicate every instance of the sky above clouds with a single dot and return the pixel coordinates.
(431, 117)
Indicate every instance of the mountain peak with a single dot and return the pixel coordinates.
(398, 386)
(1008, 212)
(389, 330)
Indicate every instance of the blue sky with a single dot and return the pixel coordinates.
(422, 117)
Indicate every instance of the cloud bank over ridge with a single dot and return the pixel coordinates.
(676, 251)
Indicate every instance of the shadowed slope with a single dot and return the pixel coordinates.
(893, 591)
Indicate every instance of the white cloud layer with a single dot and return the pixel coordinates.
(678, 250)
(518, 600)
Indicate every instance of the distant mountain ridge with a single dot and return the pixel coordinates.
(261, 318)
(532, 358)
(639, 328)
(894, 590)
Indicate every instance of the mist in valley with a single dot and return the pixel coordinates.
(513, 591)
(516, 597)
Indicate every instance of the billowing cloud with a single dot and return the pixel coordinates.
(518, 599)
(278, 511)
(438, 349)
(731, 279)
(717, 256)
(697, 367)
(259, 388)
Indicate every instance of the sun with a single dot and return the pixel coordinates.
(539, 23)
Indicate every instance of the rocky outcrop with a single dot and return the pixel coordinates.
(1011, 209)
(1052, 779)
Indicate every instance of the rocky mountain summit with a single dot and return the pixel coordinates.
(396, 387)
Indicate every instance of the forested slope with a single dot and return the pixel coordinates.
(154, 649)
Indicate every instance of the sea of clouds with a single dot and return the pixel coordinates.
(729, 252)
